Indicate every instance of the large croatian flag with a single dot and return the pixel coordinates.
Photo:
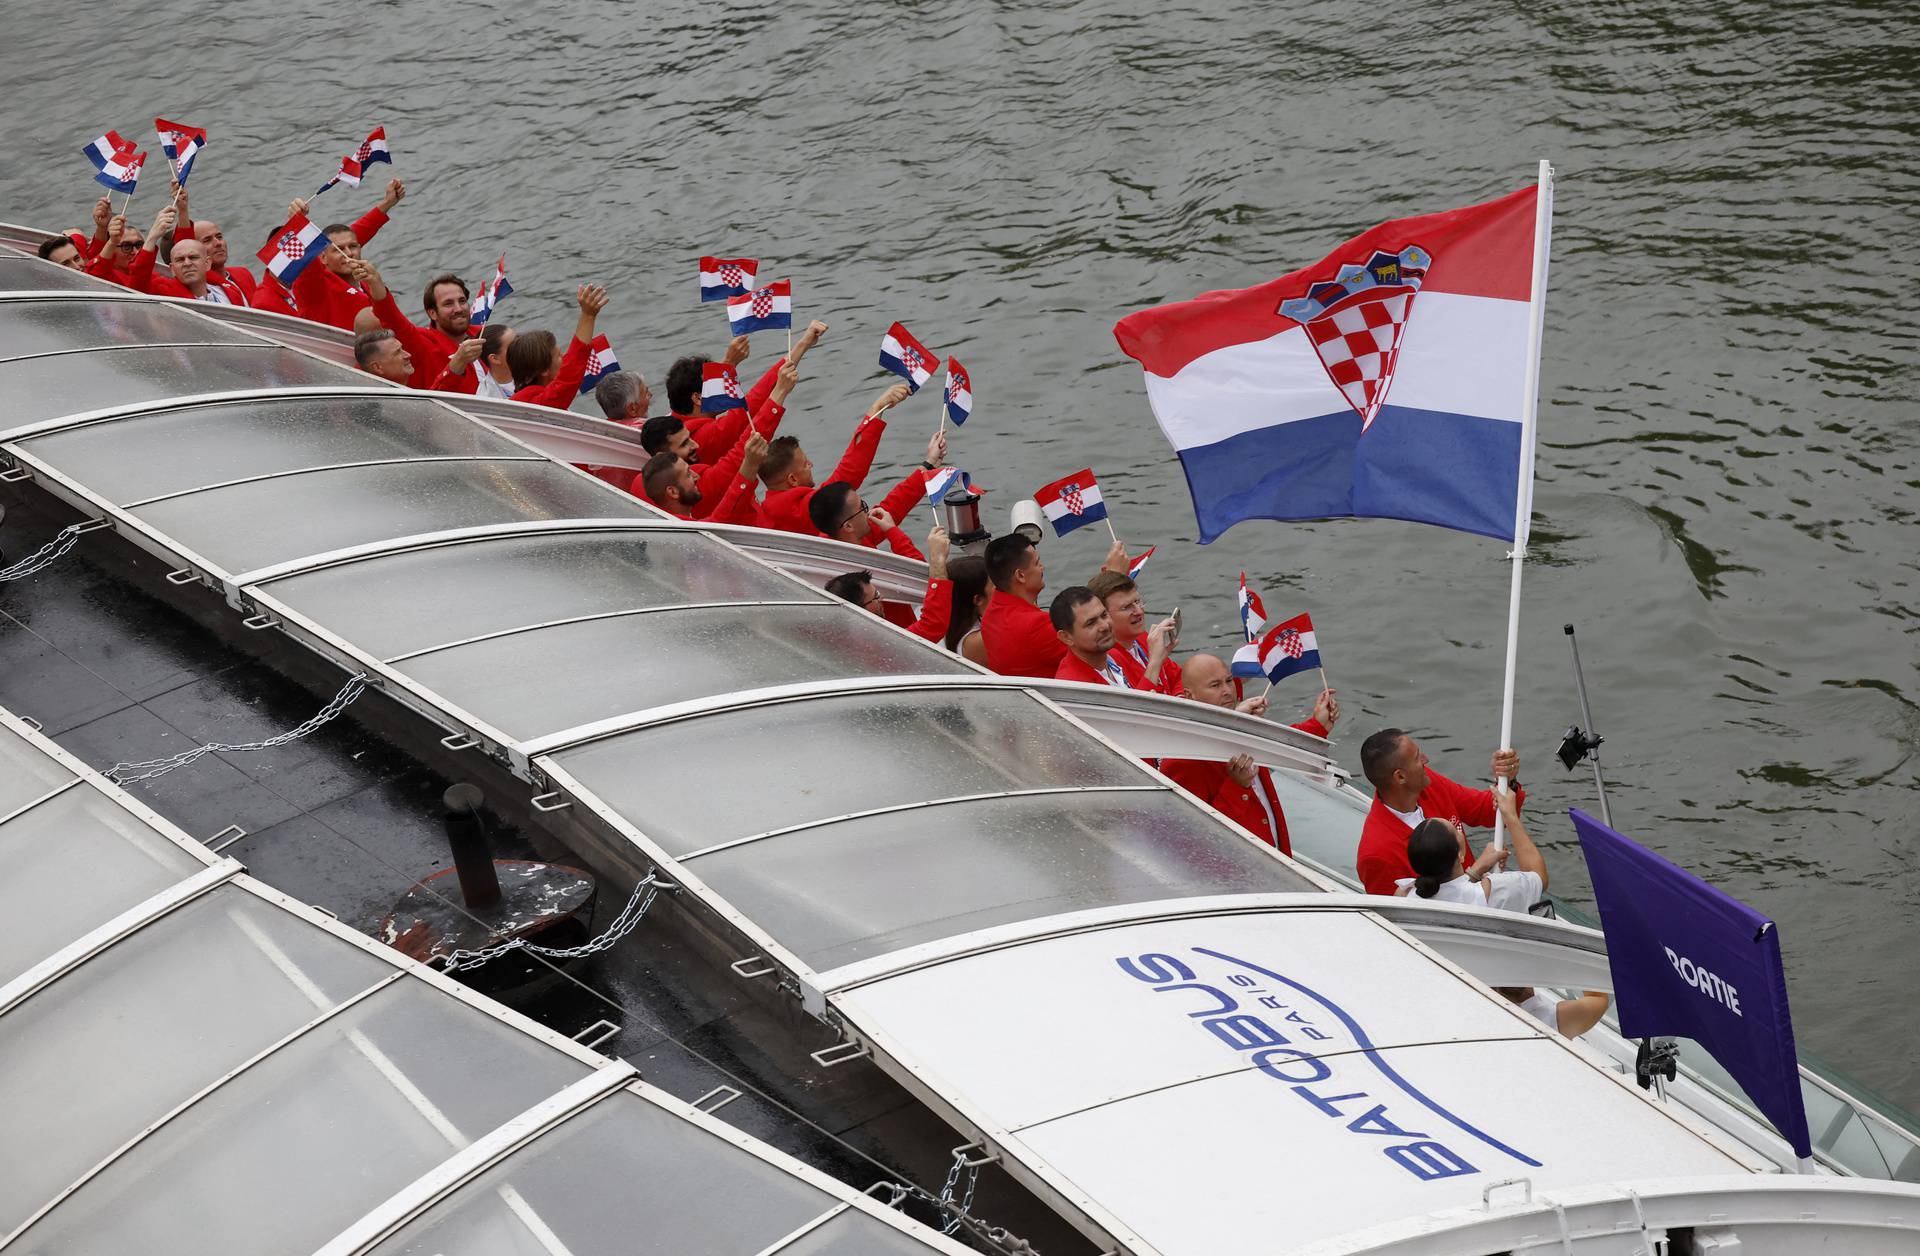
(1388, 380)
(1071, 502)
(764, 309)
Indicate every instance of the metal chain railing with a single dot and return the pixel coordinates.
(47, 555)
(128, 773)
(623, 924)
(959, 1215)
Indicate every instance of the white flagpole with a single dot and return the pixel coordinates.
(1523, 495)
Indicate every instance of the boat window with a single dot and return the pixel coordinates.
(398, 603)
(73, 863)
(247, 526)
(304, 1143)
(836, 755)
(622, 1169)
(866, 887)
(31, 327)
(1323, 824)
(149, 455)
(26, 772)
(38, 389)
(30, 274)
(535, 683)
(100, 1054)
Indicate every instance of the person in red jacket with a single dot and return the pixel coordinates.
(380, 353)
(490, 376)
(428, 348)
(1017, 634)
(326, 293)
(1080, 621)
(685, 378)
(1407, 791)
(542, 375)
(231, 279)
(936, 607)
(838, 512)
(117, 251)
(63, 251)
(189, 266)
(1238, 788)
(667, 433)
(789, 473)
(672, 486)
(1129, 614)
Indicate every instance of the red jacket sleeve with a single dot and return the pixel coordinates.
(736, 504)
(898, 539)
(1311, 725)
(717, 436)
(715, 479)
(560, 394)
(935, 611)
(764, 385)
(140, 274)
(368, 225)
(1212, 784)
(467, 381)
(420, 346)
(319, 295)
(1475, 806)
(906, 494)
(858, 460)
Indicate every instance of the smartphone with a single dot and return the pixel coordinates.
(1176, 626)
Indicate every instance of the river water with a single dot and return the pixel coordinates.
(1728, 468)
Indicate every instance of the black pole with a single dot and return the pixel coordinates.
(472, 860)
(1593, 737)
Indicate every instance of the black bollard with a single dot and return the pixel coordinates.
(467, 836)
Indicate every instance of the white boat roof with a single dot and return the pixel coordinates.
(945, 863)
(192, 1062)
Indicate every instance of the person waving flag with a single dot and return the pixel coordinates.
(720, 389)
(600, 364)
(1291, 647)
(293, 249)
(959, 393)
(180, 143)
(1072, 502)
(763, 309)
(907, 357)
(492, 292)
(723, 278)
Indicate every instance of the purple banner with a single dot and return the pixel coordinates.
(1691, 962)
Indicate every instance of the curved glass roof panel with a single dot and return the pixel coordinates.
(171, 451)
(852, 1233)
(243, 527)
(615, 1180)
(38, 389)
(546, 680)
(396, 604)
(27, 273)
(137, 1030)
(302, 1144)
(869, 886)
(73, 862)
(25, 772)
(836, 755)
(34, 327)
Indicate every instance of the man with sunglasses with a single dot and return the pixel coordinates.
(838, 511)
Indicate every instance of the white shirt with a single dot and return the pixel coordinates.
(215, 295)
(1504, 891)
(485, 385)
(1412, 819)
(1543, 1009)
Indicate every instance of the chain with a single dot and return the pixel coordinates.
(960, 1216)
(128, 773)
(44, 557)
(623, 924)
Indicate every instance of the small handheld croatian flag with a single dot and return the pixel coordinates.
(907, 357)
(1387, 380)
(600, 363)
(120, 170)
(372, 149)
(948, 481)
(181, 143)
(492, 292)
(1291, 647)
(292, 249)
(111, 148)
(1138, 563)
(1253, 625)
(720, 389)
(764, 309)
(1690, 960)
(348, 173)
(959, 398)
(1072, 502)
(723, 278)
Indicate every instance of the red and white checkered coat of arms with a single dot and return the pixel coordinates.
(1357, 321)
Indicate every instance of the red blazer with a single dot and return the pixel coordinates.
(560, 394)
(1382, 858)
(1207, 780)
(1019, 638)
(935, 610)
(429, 347)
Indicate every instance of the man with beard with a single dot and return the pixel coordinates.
(1081, 622)
(671, 485)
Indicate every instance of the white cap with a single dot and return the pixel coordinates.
(1027, 519)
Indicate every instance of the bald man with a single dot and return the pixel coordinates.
(1239, 789)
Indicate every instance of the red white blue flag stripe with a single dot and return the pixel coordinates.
(111, 148)
(764, 309)
(907, 357)
(959, 393)
(292, 249)
(348, 173)
(600, 362)
(372, 149)
(1138, 563)
(1291, 647)
(492, 292)
(722, 278)
(1387, 380)
(720, 389)
(181, 143)
(1071, 502)
(121, 173)
(1253, 624)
